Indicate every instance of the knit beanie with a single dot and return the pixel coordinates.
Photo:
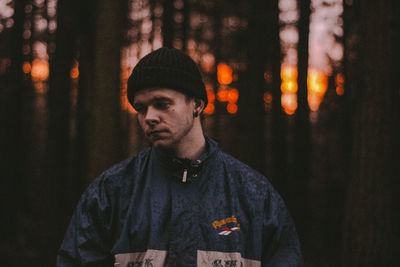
(167, 68)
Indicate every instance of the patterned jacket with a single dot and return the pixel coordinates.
(157, 210)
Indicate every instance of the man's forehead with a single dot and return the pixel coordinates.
(150, 94)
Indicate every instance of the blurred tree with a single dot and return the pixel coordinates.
(371, 231)
(185, 23)
(99, 121)
(168, 23)
(278, 142)
(86, 32)
(217, 47)
(251, 115)
(57, 184)
(15, 94)
(298, 183)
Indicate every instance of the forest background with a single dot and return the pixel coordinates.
(306, 92)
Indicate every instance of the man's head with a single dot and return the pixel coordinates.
(167, 91)
(167, 68)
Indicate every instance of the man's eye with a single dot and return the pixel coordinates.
(162, 105)
(140, 110)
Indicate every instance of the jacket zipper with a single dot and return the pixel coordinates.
(184, 175)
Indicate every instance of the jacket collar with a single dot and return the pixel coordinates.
(184, 169)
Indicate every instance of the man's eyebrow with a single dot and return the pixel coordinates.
(156, 98)
(137, 103)
(161, 98)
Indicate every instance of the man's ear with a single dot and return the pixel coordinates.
(199, 106)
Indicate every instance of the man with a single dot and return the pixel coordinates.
(181, 202)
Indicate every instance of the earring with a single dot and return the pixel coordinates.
(195, 114)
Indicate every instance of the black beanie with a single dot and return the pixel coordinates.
(167, 68)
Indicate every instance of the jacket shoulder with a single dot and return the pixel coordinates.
(246, 176)
(120, 174)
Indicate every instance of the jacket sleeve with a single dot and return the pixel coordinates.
(281, 246)
(86, 242)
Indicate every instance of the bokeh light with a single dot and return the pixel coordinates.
(40, 70)
(289, 103)
(232, 108)
(339, 79)
(224, 73)
(26, 67)
(289, 88)
(317, 83)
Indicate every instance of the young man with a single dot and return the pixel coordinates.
(181, 202)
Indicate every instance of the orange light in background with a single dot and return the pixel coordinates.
(209, 109)
(235, 77)
(268, 98)
(232, 108)
(224, 74)
(211, 99)
(222, 94)
(125, 104)
(339, 90)
(289, 73)
(289, 79)
(313, 101)
(26, 67)
(289, 103)
(267, 101)
(233, 95)
(210, 93)
(75, 71)
(268, 77)
(207, 62)
(317, 83)
(289, 86)
(339, 84)
(40, 70)
(124, 74)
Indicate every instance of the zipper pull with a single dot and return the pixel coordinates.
(184, 176)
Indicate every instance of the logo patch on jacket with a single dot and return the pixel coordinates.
(224, 259)
(149, 258)
(226, 226)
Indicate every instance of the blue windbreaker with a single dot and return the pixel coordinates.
(157, 210)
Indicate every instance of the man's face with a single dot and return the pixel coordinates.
(165, 115)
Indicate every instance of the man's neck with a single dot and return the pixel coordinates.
(193, 145)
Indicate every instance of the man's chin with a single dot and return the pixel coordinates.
(161, 143)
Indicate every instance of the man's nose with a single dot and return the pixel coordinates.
(152, 116)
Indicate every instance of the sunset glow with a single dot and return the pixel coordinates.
(317, 82)
(232, 108)
(224, 73)
(26, 67)
(289, 89)
(289, 103)
(40, 70)
(75, 71)
(339, 84)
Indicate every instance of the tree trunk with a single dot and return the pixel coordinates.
(185, 23)
(168, 23)
(371, 231)
(298, 191)
(251, 105)
(56, 183)
(278, 143)
(99, 119)
(14, 102)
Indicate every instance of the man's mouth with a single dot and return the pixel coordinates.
(155, 133)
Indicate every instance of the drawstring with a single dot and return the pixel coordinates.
(184, 175)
